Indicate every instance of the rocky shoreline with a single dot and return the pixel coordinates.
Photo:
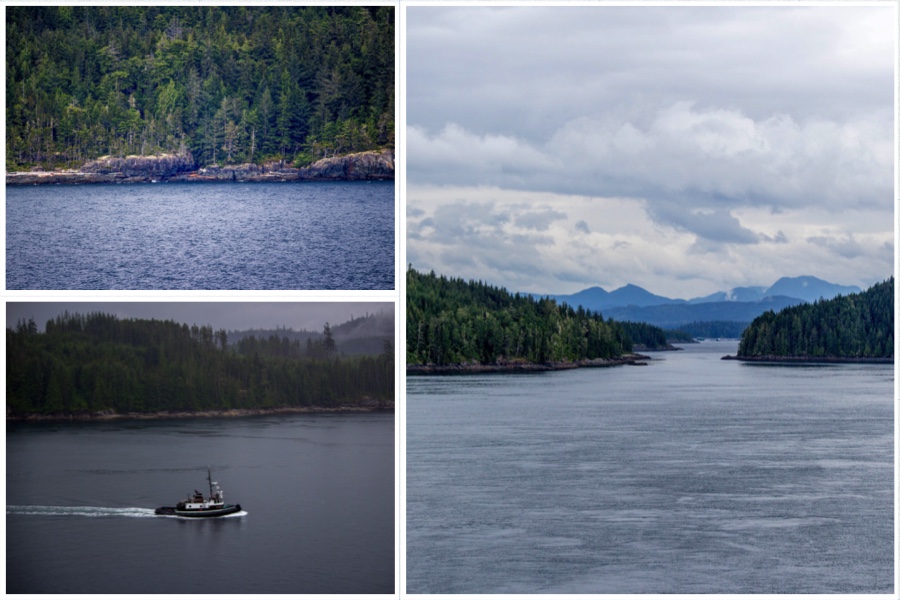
(526, 367)
(109, 415)
(180, 168)
(812, 359)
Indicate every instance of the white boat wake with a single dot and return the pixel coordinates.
(99, 511)
(80, 511)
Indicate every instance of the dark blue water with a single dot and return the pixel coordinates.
(317, 491)
(691, 475)
(201, 236)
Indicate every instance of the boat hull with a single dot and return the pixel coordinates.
(199, 514)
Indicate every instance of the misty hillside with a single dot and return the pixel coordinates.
(359, 335)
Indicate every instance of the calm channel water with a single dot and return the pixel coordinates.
(691, 475)
(201, 236)
(317, 493)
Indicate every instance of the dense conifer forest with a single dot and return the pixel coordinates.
(853, 326)
(648, 337)
(229, 84)
(450, 321)
(97, 362)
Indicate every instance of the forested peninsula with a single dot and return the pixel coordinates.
(458, 326)
(852, 328)
(178, 93)
(96, 366)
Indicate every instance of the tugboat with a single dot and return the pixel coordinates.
(196, 506)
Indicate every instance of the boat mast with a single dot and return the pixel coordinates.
(209, 478)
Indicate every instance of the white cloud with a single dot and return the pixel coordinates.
(685, 158)
(455, 151)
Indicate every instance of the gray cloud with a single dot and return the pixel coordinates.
(525, 71)
(483, 226)
(538, 220)
(468, 237)
(844, 246)
(778, 238)
(716, 226)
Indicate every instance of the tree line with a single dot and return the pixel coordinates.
(648, 337)
(229, 84)
(452, 321)
(707, 329)
(852, 326)
(97, 362)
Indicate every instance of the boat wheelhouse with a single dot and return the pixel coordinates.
(195, 505)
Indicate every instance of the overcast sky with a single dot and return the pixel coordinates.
(683, 149)
(311, 316)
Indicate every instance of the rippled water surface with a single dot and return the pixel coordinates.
(691, 475)
(317, 493)
(201, 236)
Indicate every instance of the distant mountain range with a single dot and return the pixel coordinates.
(596, 298)
(634, 303)
(806, 288)
(674, 316)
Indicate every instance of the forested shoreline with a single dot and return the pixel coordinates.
(219, 84)
(457, 326)
(851, 328)
(99, 366)
(166, 168)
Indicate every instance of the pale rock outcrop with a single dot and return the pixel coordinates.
(371, 165)
(362, 165)
(158, 167)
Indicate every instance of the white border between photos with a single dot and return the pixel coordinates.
(397, 296)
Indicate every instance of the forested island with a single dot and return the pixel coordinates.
(457, 326)
(99, 366)
(170, 90)
(852, 328)
(691, 332)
